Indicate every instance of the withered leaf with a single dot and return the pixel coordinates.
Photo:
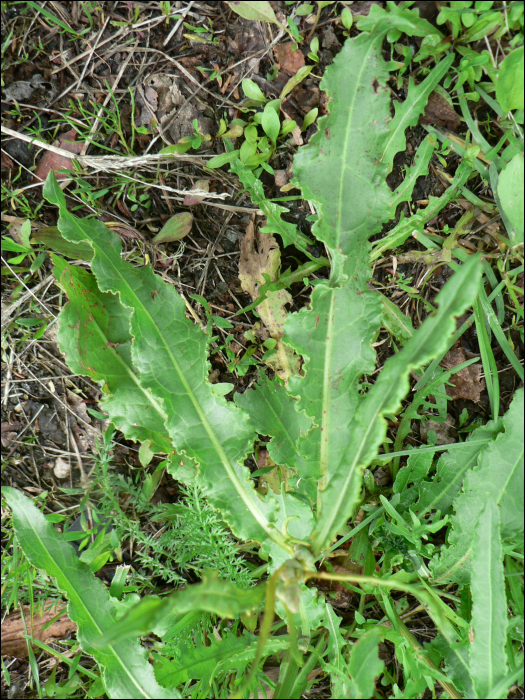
(468, 383)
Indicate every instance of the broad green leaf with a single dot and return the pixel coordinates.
(52, 238)
(364, 664)
(420, 167)
(272, 412)
(271, 123)
(416, 469)
(339, 172)
(170, 355)
(368, 428)
(260, 10)
(175, 228)
(99, 325)
(499, 474)
(222, 159)
(509, 86)
(407, 21)
(453, 465)
(488, 658)
(407, 113)
(202, 663)
(511, 182)
(252, 90)
(212, 595)
(126, 671)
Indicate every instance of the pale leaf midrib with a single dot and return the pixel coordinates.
(325, 403)
(335, 510)
(148, 395)
(223, 459)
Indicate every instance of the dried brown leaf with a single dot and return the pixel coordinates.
(53, 161)
(289, 60)
(260, 255)
(14, 644)
(468, 383)
(440, 113)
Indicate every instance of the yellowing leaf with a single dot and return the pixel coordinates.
(260, 255)
(175, 228)
(254, 10)
(191, 199)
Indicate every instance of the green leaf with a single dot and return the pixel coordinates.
(260, 10)
(170, 355)
(175, 228)
(341, 684)
(405, 20)
(52, 238)
(272, 412)
(99, 325)
(25, 233)
(364, 664)
(309, 118)
(8, 244)
(368, 428)
(126, 671)
(146, 453)
(336, 343)
(511, 184)
(347, 18)
(453, 465)
(212, 595)
(488, 658)
(203, 663)
(416, 469)
(407, 113)
(422, 158)
(301, 74)
(499, 473)
(405, 228)
(395, 321)
(509, 86)
(222, 159)
(270, 123)
(252, 90)
(289, 233)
